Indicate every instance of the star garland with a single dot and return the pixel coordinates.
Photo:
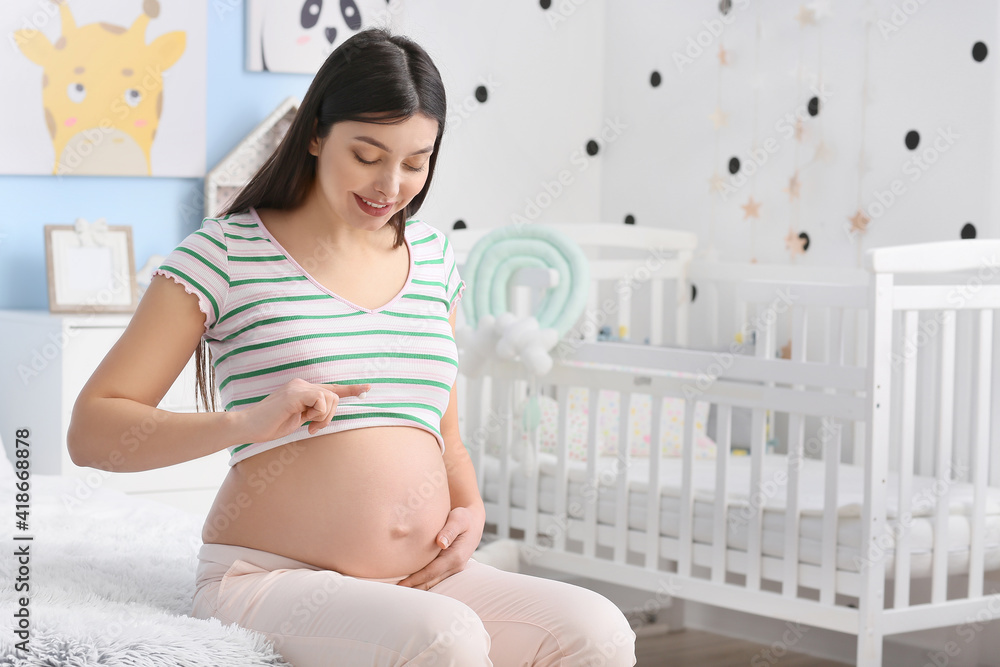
(860, 219)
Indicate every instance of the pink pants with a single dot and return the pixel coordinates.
(479, 616)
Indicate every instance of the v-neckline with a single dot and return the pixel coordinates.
(310, 278)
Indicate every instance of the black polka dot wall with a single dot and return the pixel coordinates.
(459, 224)
(592, 147)
(813, 106)
(629, 219)
(912, 139)
(655, 79)
(804, 237)
(481, 93)
(734, 165)
(969, 231)
(979, 52)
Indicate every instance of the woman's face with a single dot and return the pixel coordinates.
(383, 164)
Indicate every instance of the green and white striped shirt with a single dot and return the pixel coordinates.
(269, 321)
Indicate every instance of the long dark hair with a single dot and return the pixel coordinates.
(373, 77)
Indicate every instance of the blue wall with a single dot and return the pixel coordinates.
(161, 211)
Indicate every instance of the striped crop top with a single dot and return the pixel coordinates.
(269, 321)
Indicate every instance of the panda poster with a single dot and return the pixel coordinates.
(103, 87)
(298, 35)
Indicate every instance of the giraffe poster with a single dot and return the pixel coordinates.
(298, 36)
(103, 87)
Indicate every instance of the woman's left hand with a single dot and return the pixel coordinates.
(458, 540)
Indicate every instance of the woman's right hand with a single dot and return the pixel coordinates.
(294, 403)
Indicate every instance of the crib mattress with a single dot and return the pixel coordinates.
(740, 509)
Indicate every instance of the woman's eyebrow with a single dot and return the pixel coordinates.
(379, 144)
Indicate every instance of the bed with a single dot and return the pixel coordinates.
(846, 478)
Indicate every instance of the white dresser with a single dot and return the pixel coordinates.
(45, 359)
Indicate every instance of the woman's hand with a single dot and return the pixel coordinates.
(294, 403)
(458, 540)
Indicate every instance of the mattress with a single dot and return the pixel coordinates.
(740, 510)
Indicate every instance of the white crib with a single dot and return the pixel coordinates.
(861, 520)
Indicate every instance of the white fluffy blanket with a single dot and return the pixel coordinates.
(112, 578)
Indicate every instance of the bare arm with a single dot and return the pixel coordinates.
(115, 425)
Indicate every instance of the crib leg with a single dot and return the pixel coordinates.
(869, 649)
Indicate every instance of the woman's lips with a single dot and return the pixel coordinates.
(370, 210)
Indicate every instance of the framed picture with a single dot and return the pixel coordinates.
(104, 87)
(91, 268)
(298, 37)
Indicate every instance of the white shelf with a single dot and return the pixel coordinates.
(45, 359)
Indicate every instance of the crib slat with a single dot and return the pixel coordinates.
(562, 471)
(831, 439)
(591, 494)
(686, 501)
(901, 596)
(980, 460)
(474, 432)
(593, 307)
(528, 466)
(994, 475)
(928, 411)
(621, 480)
(963, 415)
(796, 435)
(656, 314)
(682, 299)
(861, 361)
(758, 440)
(624, 310)
(723, 443)
(939, 575)
(653, 485)
(502, 390)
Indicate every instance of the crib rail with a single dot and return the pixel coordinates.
(850, 416)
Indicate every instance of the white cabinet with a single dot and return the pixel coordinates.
(45, 359)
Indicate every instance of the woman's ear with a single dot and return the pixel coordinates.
(314, 143)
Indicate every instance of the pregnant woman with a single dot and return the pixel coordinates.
(324, 313)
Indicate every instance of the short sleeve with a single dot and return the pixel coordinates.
(201, 266)
(454, 285)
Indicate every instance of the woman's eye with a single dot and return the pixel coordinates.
(373, 162)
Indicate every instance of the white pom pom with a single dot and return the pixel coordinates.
(537, 360)
(486, 322)
(523, 333)
(503, 321)
(548, 338)
(505, 350)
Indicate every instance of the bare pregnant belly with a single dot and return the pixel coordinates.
(367, 502)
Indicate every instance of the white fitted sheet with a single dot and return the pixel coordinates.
(774, 473)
